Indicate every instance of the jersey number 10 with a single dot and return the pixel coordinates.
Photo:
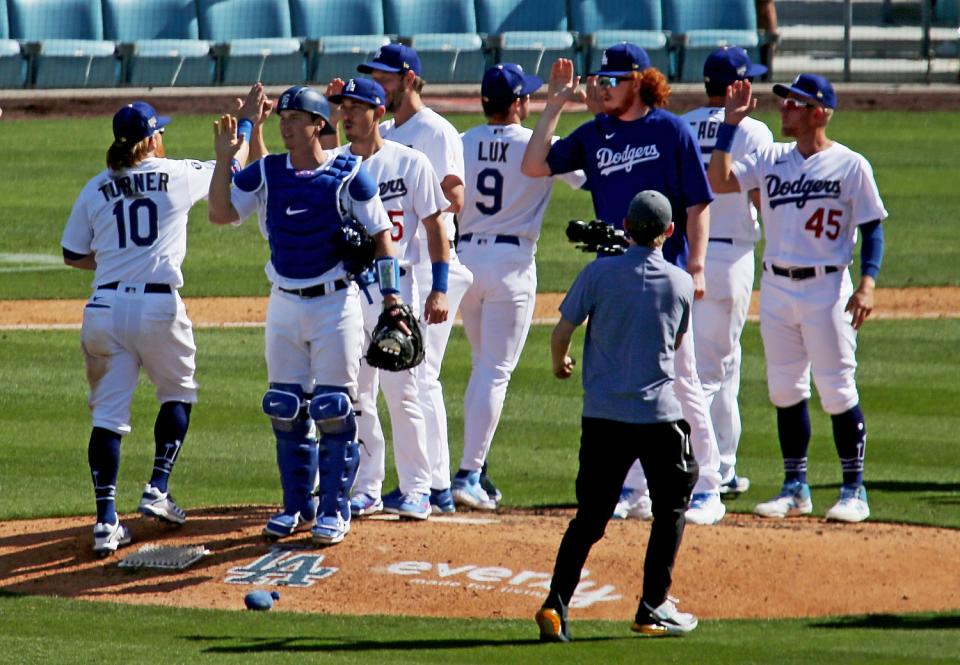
(142, 212)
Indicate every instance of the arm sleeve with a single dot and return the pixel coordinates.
(199, 175)
(567, 154)
(871, 252)
(747, 171)
(576, 306)
(78, 232)
(575, 179)
(864, 195)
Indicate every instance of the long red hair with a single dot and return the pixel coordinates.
(654, 89)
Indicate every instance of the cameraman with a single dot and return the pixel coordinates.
(639, 307)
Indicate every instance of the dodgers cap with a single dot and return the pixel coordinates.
(622, 59)
(137, 121)
(396, 58)
(507, 81)
(813, 87)
(728, 64)
(363, 90)
(648, 216)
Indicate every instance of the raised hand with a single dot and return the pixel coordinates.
(226, 143)
(594, 103)
(564, 86)
(739, 102)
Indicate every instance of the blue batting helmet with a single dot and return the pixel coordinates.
(304, 98)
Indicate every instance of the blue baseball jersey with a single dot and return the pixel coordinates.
(621, 158)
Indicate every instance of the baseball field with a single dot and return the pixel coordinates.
(464, 588)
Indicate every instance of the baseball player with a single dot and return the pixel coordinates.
(638, 306)
(722, 312)
(129, 226)
(396, 67)
(632, 146)
(314, 327)
(411, 193)
(816, 195)
(499, 227)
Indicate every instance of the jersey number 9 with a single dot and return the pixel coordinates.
(142, 212)
(490, 183)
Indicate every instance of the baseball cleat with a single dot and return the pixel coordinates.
(161, 505)
(441, 502)
(852, 506)
(364, 505)
(282, 525)
(108, 537)
(330, 530)
(663, 620)
(412, 506)
(493, 493)
(634, 504)
(553, 625)
(705, 508)
(468, 492)
(794, 499)
(735, 486)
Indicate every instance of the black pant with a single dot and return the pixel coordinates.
(607, 450)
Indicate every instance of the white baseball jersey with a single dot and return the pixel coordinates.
(492, 156)
(409, 191)
(731, 215)
(135, 221)
(811, 207)
(434, 136)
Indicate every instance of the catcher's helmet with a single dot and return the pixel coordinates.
(304, 98)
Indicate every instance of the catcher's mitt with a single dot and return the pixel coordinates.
(390, 347)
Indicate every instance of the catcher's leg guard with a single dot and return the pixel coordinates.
(339, 450)
(297, 457)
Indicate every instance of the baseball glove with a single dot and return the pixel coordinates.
(391, 348)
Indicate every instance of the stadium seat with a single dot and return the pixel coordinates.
(253, 41)
(413, 17)
(13, 66)
(313, 19)
(531, 34)
(64, 43)
(497, 16)
(602, 23)
(451, 57)
(338, 56)
(654, 43)
(159, 42)
(699, 27)
(536, 51)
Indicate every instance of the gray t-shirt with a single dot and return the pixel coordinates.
(637, 303)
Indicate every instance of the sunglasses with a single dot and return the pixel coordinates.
(611, 81)
(791, 104)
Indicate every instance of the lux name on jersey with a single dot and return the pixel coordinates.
(137, 183)
(492, 152)
(802, 190)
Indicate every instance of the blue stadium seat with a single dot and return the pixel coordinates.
(700, 27)
(602, 23)
(451, 57)
(312, 19)
(13, 66)
(64, 43)
(412, 17)
(530, 33)
(338, 56)
(159, 42)
(252, 41)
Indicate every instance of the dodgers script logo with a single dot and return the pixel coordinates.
(392, 189)
(781, 192)
(609, 161)
(282, 567)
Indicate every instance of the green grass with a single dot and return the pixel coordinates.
(47, 162)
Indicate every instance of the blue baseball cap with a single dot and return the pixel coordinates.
(137, 121)
(809, 86)
(507, 81)
(396, 58)
(622, 59)
(364, 90)
(728, 64)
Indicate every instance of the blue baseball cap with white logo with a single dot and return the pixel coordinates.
(728, 64)
(396, 58)
(812, 87)
(363, 90)
(622, 59)
(137, 121)
(507, 81)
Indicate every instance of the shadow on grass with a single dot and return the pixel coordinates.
(312, 645)
(894, 621)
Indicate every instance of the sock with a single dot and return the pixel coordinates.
(850, 438)
(793, 428)
(168, 432)
(103, 455)
(461, 474)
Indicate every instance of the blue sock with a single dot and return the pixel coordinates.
(103, 455)
(168, 432)
(793, 428)
(850, 438)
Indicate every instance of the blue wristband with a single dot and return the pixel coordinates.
(245, 128)
(725, 137)
(388, 275)
(441, 271)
